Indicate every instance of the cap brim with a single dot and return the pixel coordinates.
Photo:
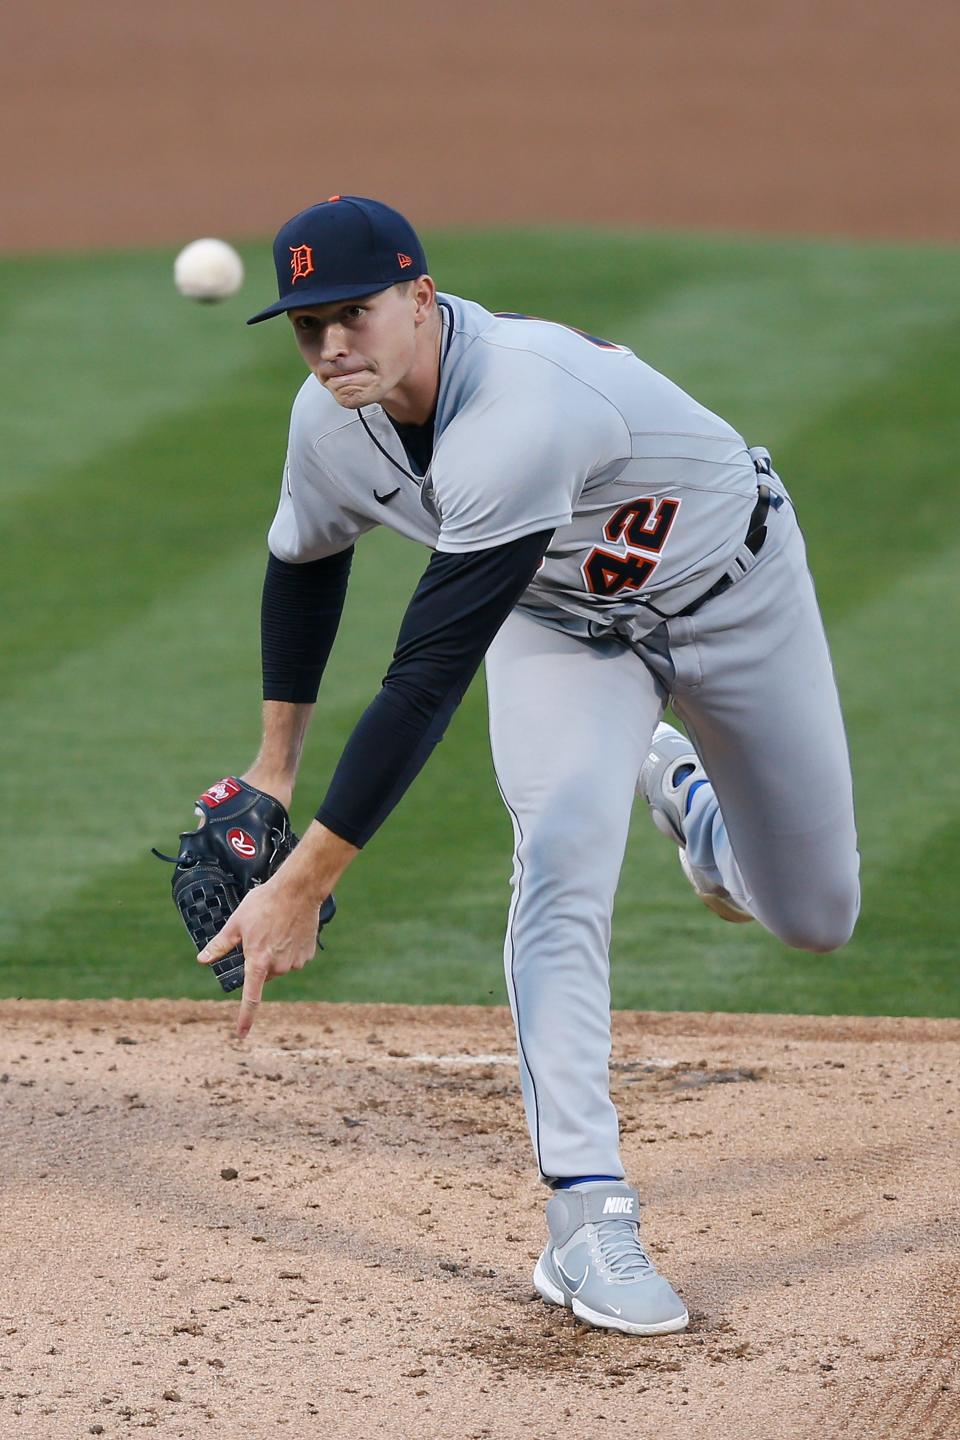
(320, 295)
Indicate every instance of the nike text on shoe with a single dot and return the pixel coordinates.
(670, 772)
(595, 1265)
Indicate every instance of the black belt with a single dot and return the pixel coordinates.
(755, 536)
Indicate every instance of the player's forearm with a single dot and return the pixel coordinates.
(278, 759)
(457, 608)
(316, 865)
(300, 612)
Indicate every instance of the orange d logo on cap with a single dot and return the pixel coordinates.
(301, 262)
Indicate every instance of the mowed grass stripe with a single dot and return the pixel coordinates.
(89, 555)
(163, 696)
(445, 854)
(896, 661)
(139, 723)
(109, 534)
(178, 416)
(786, 334)
(875, 487)
(96, 348)
(901, 696)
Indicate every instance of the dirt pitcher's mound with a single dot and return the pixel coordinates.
(330, 1230)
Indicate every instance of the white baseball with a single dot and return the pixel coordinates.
(208, 270)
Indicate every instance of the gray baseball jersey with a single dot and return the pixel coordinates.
(538, 427)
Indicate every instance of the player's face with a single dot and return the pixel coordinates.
(362, 350)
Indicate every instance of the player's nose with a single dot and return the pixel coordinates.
(334, 342)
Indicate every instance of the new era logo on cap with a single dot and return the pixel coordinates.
(341, 249)
(618, 1205)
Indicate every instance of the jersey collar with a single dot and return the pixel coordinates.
(448, 325)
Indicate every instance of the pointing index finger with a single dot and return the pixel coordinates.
(253, 982)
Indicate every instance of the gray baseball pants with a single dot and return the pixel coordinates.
(570, 723)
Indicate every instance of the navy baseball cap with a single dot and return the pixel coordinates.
(343, 248)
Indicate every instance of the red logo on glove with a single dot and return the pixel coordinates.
(221, 791)
(243, 843)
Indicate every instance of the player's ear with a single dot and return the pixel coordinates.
(425, 295)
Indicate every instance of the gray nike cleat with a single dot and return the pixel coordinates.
(595, 1265)
(668, 774)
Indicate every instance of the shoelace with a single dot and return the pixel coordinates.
(621, 1250)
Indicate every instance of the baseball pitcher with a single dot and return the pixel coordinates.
(607, 545)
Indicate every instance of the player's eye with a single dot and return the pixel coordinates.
(353, 312)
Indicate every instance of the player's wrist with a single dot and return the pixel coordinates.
(272, 782)
(317, 863)
(278, 759)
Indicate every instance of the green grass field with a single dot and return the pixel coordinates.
(142, 439)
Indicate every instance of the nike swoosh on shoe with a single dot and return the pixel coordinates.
(575, 1286)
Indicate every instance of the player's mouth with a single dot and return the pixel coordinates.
(347, 375)
(349, 387)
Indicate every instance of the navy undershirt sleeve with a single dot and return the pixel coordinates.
(300, 610)
(456, 610)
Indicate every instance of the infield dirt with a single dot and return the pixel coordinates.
(330, 1229)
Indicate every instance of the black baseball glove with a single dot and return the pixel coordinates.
(243, 837)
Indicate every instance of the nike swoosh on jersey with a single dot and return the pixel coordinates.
(385, 499)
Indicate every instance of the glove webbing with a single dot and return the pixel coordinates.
(206, 897)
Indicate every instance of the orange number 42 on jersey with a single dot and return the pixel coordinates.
(641, 526)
